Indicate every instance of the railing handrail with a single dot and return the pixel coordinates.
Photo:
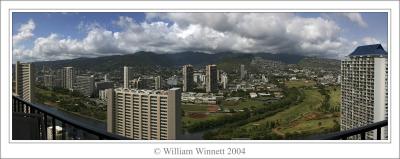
(73, 122)
(350, 132)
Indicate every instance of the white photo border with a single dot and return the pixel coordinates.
(152, 6)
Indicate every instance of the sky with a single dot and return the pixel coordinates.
(48, 36)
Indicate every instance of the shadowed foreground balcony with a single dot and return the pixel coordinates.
(360, 132)
(35, 122)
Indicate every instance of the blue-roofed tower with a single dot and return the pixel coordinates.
(369, 50)
(364, 75)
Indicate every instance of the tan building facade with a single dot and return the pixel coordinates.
(144, 114)
(68, 77)
(24, 80)
(85, 85)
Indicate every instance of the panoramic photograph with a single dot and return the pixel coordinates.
(200, 76)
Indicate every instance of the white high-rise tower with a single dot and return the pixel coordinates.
(364, 89)
(126, 77)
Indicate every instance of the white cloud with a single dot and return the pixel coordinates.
(207, 32)
(269, 32)
(370, 40)
(24, 32)
(355, 17)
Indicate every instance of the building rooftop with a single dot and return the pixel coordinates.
(144, 91)
(375, 49)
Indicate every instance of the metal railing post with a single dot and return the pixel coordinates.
(45, 126)
(378, 133)
(362, 135)
(53, 122)
(63, 130)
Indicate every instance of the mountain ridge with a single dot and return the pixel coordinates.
(152, 59)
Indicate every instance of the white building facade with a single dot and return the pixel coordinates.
(364, 89)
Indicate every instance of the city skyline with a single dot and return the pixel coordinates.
(215, 102)
(55, 36)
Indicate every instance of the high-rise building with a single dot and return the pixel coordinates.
(172, 81)
(68, 77)
(224, 80)
(103, 85)
(157, 82)
(106, 78)
(103, 94)
(211, 78)
(49, 80)
(142, 83)
(364, 89)
(52, 79)
(23, 80)
(197, 77)
(126, 77)
(58, 79)
(219, 75)
(203, 78)
(242, 72)
(85, 85)
(188, 82)
(144, 114)
(135, 83)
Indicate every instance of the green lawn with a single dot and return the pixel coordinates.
(335, 96)
(299, 83)
(304, 118)
(186, 120)
(313, 100)
(310, 126)
(194, 107)
(72, 104)
(241, 104)
(48, 93)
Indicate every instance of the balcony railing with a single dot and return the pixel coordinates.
(36, 122)
(360, 131)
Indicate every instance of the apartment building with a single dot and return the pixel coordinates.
(144, 114)
(211, 78)
(188, 83)
(364, 83)
(23, 80)
(85, 85)
(68, 77)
